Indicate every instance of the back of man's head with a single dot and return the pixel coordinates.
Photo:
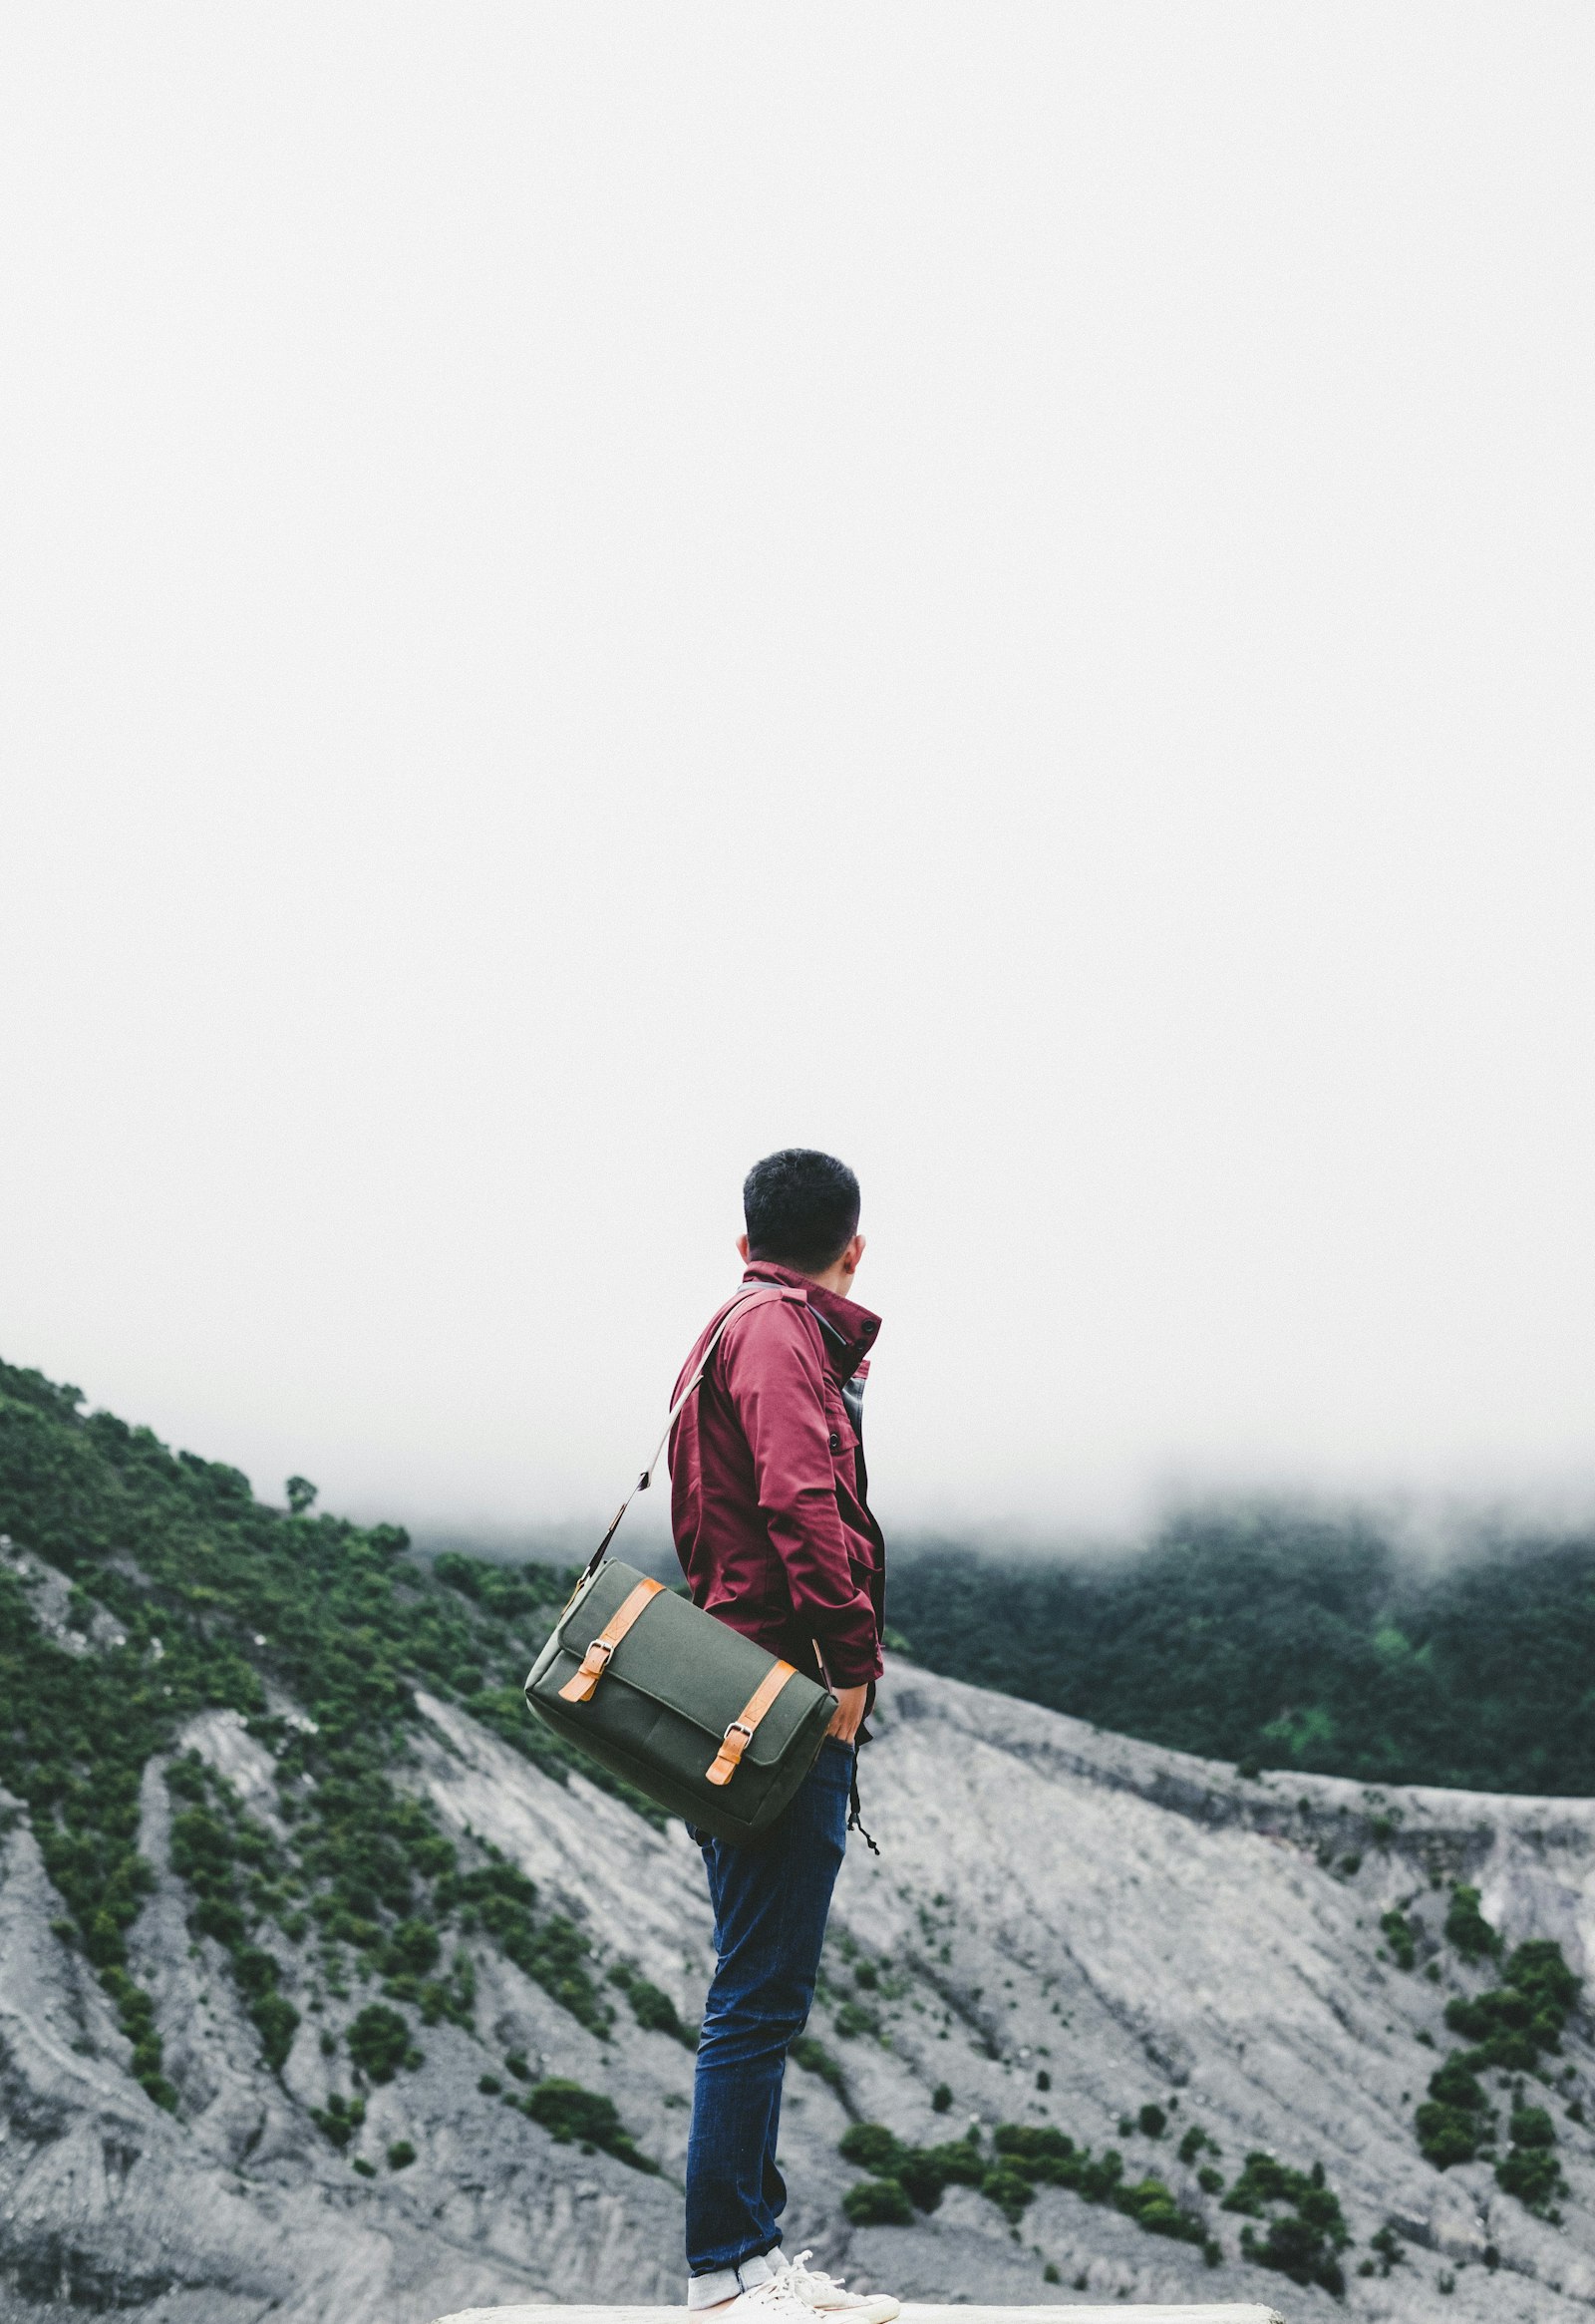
(801, 1209)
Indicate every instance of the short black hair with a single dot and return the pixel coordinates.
(801, 1209)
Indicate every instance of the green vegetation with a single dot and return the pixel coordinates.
(1280, 1638)
(239, 1878)
(555, 1955)
(1400, 1935)
(1533, 2174)
(567, 2112)
(1467, 1928)
(878, 2202)
(814, 2056)
(1306, 2233)
(198, 1597)
(1511, 2027)
(525, 1598)
(1386, 2250)
(652, 2008)
(379, 2043)
(340, 2118)
(909, 2179)
(853, 2019)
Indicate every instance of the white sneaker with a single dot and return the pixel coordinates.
(822, 2295)
(771, 2302)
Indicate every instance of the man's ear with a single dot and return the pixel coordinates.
(854, 1254)
(742, 1249)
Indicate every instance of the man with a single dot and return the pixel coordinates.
(774, 1536)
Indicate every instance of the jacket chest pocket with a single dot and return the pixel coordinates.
(843, 1435)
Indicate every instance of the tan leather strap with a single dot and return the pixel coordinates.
(595, 1661)
(741, 1731)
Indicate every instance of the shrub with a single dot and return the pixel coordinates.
(1028, 2144)
(277, 2021)
(411, 1948)
(1454, 2085)
(379, 2042)
(1532, 2125)
(871, 2147)
(923, 2171)
(340, 2118)
(1386, 2248)
(1466, 1926)
(853, 2019)
(814, 2056)
(1004, 2187)
(1510, 2026)
(1400, 1935)
(1539, 1969)
(878, 2202)
(1302, 2243)
(1522, 2017)
(1447, 2135)
(651, 2007)
(1037, 2155)
(1153, 2207)
(550, 1951)
(568, 2111)
(942, 2098)
(401, 2155)
(1533, 2175)
(1296, 2250)
(1152, 2120)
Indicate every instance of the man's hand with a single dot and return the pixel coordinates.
(849, 1717)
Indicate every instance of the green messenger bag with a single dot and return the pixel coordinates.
(699, 1717)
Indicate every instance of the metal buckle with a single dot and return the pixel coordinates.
(603, 1648)
(740, 1727)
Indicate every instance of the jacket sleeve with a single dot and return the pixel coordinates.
(774, 1377)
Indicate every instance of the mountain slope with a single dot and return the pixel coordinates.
(1143, 1928)
(320, 1997)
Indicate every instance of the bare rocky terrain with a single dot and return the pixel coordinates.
(1132, 1925)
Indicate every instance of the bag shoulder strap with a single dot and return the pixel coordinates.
(755, 1295)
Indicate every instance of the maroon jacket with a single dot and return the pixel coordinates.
(768, 1483)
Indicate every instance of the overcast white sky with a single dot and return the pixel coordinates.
(592, 590)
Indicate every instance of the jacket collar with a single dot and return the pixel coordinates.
(849, 1330)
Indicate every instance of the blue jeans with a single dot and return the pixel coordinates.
(770, 1904)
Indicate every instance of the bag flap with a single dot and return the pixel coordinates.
(684, 1660)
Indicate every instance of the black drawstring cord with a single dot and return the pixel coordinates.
(856, 1814)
